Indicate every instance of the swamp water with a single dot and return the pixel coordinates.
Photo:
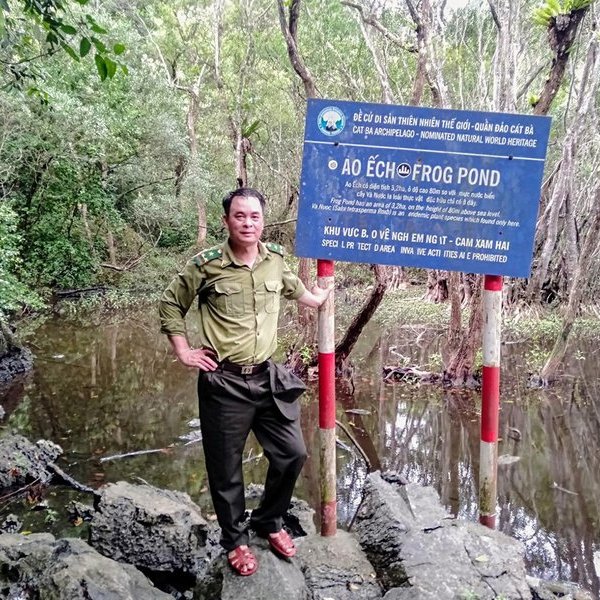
(115, 389)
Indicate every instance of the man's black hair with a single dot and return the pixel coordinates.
(244, 192)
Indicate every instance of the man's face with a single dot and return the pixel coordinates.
(245, 221)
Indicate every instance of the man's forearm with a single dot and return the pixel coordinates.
(179, 344)
(316, 297)
(204, 359)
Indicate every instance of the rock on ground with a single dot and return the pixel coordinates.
(332, 568)
(22, 461)
(154, 529)
(422, 553)
(553, 590)
(275, 579)
(38, 566)
(18, 361)
(335, 567)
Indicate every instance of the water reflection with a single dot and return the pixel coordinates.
(115, 388)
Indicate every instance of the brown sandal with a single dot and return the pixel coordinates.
(242, 561)
(282, 544)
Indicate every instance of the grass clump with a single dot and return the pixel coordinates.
(532, 326)
(408, 306)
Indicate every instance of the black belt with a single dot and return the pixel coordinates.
(244, 369)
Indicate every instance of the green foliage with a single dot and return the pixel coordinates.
(550, 9)
(307, 354)
(55, 245)
(536, 358)
(14, 294)
(99, 161)
(51, 516)
(31, 31)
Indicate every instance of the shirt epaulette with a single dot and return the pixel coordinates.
(207, 255)
(277, 248)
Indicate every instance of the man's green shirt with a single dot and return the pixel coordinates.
(239, 305)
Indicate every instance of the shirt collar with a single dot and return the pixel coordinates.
(228, 257)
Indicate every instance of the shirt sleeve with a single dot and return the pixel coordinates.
(293, 287)
(177, 299)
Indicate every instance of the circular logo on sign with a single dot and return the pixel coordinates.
(403, 170)
(331, 121)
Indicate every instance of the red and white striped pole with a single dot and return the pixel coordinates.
(326, 340)
(490, 400)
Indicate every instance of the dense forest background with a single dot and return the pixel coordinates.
(123, 123)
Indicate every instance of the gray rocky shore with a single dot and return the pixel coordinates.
(150, 543)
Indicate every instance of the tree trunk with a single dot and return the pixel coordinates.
(561, 36)
(112, 251)
(570, 250)
(460, 368)
(201, 212)
(345, 346)
(424, 22)
(242, 148)
(191, 119)
(589, 85)
(563, 188)
(506, 14)
(455, 325)
(585, 259)
(86, 225)
(289, 29)
(437, 286)
(396, 277)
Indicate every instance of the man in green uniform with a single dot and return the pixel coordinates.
(239, 285)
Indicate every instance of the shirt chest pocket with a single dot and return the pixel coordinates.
(229, 298)
(268, 296)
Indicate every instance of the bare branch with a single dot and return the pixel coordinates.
(358, 447)
(413, 12)
(80, 487)
(133, 262)
(170, 75)
(370, 19)
(143, 185)
(531, 79)
(380, 67)
(289, 31)
(281, 222)
(495, 15)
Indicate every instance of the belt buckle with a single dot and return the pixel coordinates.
(247, 369)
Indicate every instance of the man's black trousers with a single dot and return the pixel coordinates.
(231, 406)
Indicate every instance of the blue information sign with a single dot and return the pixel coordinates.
(421, 187)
